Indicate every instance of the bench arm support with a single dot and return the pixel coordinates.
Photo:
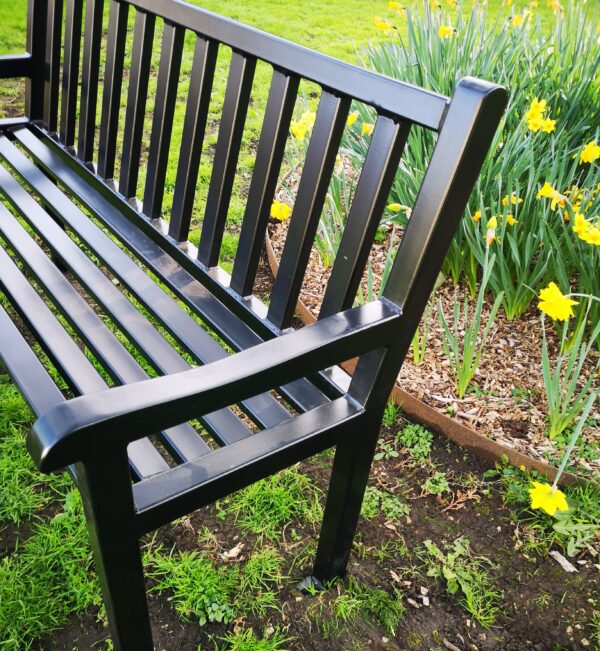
(80, 428)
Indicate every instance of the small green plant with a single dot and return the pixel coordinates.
(259, 579)
(264, 507)
(565, 390)
(386, 451)
(246, 640)
(416, 439)
(390, 414)
(466, 574)
(436, 485)
(200, 591)
(377, 501)
(464, 342)
(419, 340)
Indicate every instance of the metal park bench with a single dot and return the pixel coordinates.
(81, 260)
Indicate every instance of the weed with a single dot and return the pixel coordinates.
(392, 410)
(381, 607)
(386, 452)
(377, 501)
(264, 507)
(261, 574)
(461, 571)
(416, 439)
(436, 485)
(246, 640)
(200, 590)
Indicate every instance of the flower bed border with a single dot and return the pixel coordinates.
(484, 448)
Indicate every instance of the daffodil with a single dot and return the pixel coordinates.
(506, 200)
(490, 233)
(590, 152)
(547, 191)
(547, 498)
(280, 211)
(476, 216)
(395, 6)
(591, 236)
(395, 207)
(367, 129)
(510, 220)
(382, 24)
(555, 304)
(548, 125)
(555, 6)
(445, 31)
(516, 20)
(581, 224)
(536, 117)
(298, 130)
(352, 118)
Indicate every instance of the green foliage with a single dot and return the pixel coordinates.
(466, 574)
(200, 591)
(392, 410)
(264, 507)
(416, 439)
(536, 61)
(259, 580)
(436, 485)
(386, 451)
(246, 640)
(377, 501)
(47, 579)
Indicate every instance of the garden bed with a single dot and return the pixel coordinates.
(506, 400)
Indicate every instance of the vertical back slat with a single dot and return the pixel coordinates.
(70, 79)
(162, 122)
(235, 107)
(271, 147)
(113, 80)
(376, 178)
(194, 126)
(136, 102)
(92, 40)
(318, 167)
(37, 15)
(52, 74)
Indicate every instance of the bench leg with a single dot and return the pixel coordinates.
(349, 476)
(107, 497)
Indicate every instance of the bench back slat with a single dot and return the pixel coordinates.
(373, 188)
(235, 107)
(269, 155)
(194, 127)
(162, 123)
(92, 40)
(113, 81)
(70, 78)
(53, 48)
(137, 94)
(320, 160)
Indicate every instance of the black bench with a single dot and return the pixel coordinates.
(131, 449)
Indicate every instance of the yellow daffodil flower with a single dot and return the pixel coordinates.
(352, 118)
(555, 6)
(555, 304)
(476, 216)
(280, 211)
(367, 129)
(510, 220)
(490, 233)
(445, 31)
(547, 191)
(395, 6)
(506, 200)
(536, 117)
(548, 125)
(546, 498)
(516, 20)
(382, 24)
(590, 152)
(581, 224)
(591, 236)
(395, 207)
(298, 130)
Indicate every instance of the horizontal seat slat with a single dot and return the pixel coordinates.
(28, 373)
(192, 485)
(121, 219)
(183, 440)
(180, 325)
(64, 353)
(223, 424)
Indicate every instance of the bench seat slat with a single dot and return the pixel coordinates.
(183, 440)
(223, 424)
(26, 370)
(65, 355)
(182, 326)
(119, 217)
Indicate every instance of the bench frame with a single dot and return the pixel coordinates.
(90, 434)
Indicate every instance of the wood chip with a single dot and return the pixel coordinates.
(563, 562)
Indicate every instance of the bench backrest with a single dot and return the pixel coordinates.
(464, 125)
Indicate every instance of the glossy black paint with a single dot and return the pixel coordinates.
(286, 382)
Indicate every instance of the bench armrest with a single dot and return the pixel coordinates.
(15, 65)
(81, 428)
